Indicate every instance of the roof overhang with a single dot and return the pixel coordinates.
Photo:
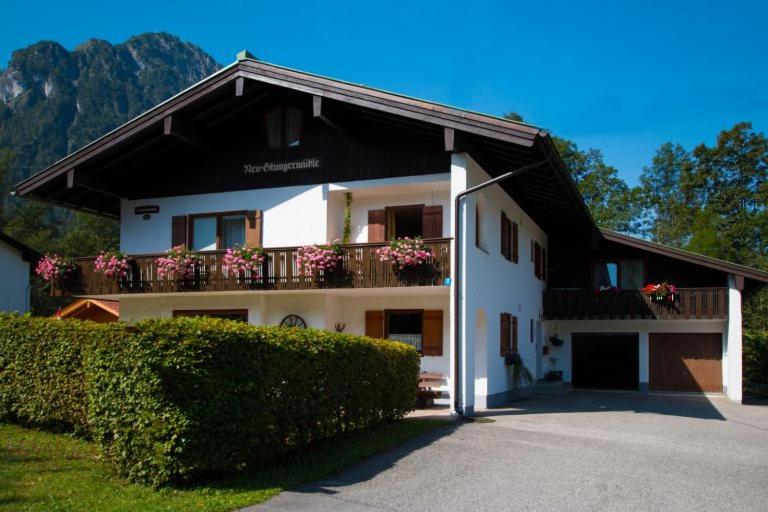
(688, 257)
(497, 144)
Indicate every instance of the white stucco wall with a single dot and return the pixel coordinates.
(14, 276)
(319, 310)
(494, 284)
(732, 363)
(292, 215)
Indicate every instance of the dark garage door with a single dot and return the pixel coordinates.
(607, 361)
(685, 362)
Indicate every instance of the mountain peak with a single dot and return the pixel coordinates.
(53, 101)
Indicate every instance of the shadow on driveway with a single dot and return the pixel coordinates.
(688, 406)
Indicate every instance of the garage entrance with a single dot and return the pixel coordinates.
(685, 362)
(605, 361)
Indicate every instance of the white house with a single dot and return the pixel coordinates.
(15, 261)
(277, 158)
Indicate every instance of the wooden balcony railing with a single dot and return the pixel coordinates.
(689, 304)
(360, 269)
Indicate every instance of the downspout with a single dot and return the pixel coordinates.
(457, 277)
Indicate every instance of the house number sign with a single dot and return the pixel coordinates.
(282, 167)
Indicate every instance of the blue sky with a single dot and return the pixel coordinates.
(620, 76)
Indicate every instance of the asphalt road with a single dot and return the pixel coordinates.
(583, 451)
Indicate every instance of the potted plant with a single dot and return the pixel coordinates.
(410, 257)
(313, 260)
(112, 264)
(245, 263)
(57, 270)
(556, 341)
(661, 292)
(180, 265)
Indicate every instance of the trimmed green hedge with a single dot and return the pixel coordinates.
(41, 370)
(756, 362)
(189, 396)
(173, 399)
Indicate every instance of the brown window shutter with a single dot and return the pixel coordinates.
(514, 335)
(179, 230)
(374, 324)
(253, 228)
(504, 236)
(432, 221)
(504, 334)
(543, 264)
(537, 260)
(432, 332)
(477, 226)
(515, 244)
(376, 225)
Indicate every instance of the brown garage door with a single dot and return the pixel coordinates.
(686, 362)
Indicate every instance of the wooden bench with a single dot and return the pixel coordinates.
(429, 389)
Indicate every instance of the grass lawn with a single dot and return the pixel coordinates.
(43, 471)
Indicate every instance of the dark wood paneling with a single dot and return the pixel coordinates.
(570, 265)
(686, 362)
(690, 304)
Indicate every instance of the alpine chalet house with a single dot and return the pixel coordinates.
(275, 164)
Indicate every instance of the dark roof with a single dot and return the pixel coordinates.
(690, 257)
(499, 145)
(27, 253)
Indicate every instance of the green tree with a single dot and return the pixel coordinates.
(87, 235)
(730, 185)
(668, 196)
(6, 160)
(614, 204)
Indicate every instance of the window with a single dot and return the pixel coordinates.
(422, 329)
(481, 221)
(623, 274)
(283, 126)
(404, 221)
(506, 237)
(507, 334)
(240, 315)
(204, 234)
(217, 231)
(405, 326)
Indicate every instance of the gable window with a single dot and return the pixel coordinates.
(283, 125)
(623, 274)
(217, 231)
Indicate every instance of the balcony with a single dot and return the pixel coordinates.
(360, 269)
(690, 304)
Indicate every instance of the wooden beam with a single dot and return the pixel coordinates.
(89, 182)
(450, 139)
(239, 86)
(177, 127)
(317, 113)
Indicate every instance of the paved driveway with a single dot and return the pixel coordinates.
(583, 451)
